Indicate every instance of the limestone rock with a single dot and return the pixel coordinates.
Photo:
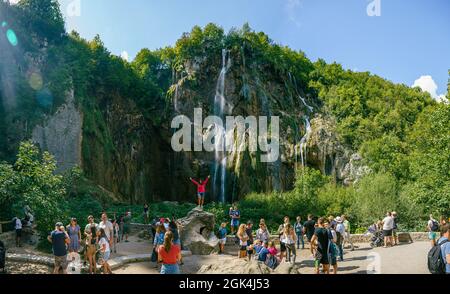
(197, 232)
(245, 267)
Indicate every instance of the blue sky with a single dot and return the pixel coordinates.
(407, 41)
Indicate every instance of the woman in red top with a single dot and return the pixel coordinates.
(169, 256)
(201, 190)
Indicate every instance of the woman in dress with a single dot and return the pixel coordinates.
(74, 233)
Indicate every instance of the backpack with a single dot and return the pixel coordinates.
(434, 226)
(436, 264)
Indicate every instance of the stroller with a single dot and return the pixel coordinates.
(2, 257)
(377, 239)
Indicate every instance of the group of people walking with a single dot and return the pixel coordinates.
(97, 241)
(326, 236)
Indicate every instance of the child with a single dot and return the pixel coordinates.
(272, 259)
(222, 237)
(105, 251)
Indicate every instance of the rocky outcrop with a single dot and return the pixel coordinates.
(245, 267)
(61, 135)
(197, 232)
(326, 152)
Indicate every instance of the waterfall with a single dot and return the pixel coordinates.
(304, 141)
(175, 98)
(220, 164)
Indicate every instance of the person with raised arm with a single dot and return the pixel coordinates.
(201, 190)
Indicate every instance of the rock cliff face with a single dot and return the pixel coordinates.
(61, 135)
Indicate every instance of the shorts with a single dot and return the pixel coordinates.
(126, 230)
(170, 269)
(61, 262)
(387, 233)
(243, 248)
(235, 223)
(432, 235)
(282, 247)
(19, 232)
(223, 241)
(201, 195)
(106, 255)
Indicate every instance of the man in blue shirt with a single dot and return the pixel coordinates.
(445, 247)
(262, 255)
(59, 240)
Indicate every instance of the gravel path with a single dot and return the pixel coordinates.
(402, 259)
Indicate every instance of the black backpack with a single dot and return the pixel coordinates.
(436, 264)
(434, 226)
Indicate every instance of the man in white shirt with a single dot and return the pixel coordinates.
(106, 225)
(388, 226)
(18, 227)
(340, 232)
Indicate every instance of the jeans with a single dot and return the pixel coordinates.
(290, 251)
(300, 239)
(170, 269)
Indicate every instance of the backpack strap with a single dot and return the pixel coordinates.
(442, 243)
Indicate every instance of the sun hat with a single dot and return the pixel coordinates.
(338, 219)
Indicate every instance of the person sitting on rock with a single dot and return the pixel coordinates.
(201, 190)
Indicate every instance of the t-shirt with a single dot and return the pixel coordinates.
(445, 250)
(18, 225)
(127, 220)
(59, 243)
(170, 257)
(234, 214)
(388, 223)
(340, 229)
(108, 227)
(102, 242)
(309, 227)
(322, 239)
(249, 234)
(347, 226)
(272, 251)
(262, 256)
(222, 233)
(91, 229)
(298, 228)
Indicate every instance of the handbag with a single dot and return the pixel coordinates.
(154, 257)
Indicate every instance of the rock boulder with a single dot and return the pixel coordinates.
(197, 232)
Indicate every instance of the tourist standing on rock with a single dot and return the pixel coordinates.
(59, 239)
(432, 228)
(388, 226)
(168, 255)
(347, 235)
(340, 233)
(74, 231)
(262, 233)
(243, 241)
(280, 235)
(222, 237)
(309, 226)
(201, 190)
(105, 250)
(235, 215)
(299, 230)
(107, 226)
(321, 254)
(90, 231)
(18, 227)
(126, 225)
(289, 239)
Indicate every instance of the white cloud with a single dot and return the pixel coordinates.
(290, 7)
(427, 84)
(124, 55)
